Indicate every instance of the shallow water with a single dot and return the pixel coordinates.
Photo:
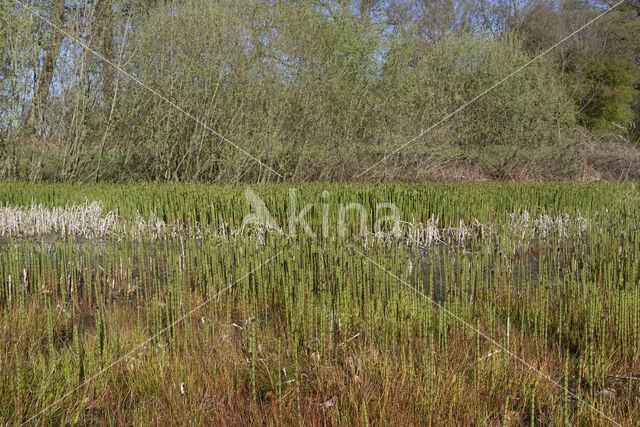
(449, 272)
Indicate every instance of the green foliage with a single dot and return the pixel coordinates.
(5, 63)
(528, 109)
(607, 94)
(314, 93)
(314, 90)
(229, 326)
(599, 65)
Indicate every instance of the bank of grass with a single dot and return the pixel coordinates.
(282, 329)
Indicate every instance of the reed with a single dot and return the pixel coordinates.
(304, 329)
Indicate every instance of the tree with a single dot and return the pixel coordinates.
(600, 64)
(51, 45)
(609, 92)
(104, 23)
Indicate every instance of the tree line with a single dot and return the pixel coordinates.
(107, 90)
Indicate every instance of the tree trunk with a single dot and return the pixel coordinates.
(104, 27)
(45, 76)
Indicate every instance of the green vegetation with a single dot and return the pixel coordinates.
(253, 326)
(141, 284)
(317, 90)
(612, 89)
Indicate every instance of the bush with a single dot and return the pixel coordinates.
(607, 94)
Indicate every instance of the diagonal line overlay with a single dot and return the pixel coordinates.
(494, 342)
(148, 340)
(489, 89)
(144, 85)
